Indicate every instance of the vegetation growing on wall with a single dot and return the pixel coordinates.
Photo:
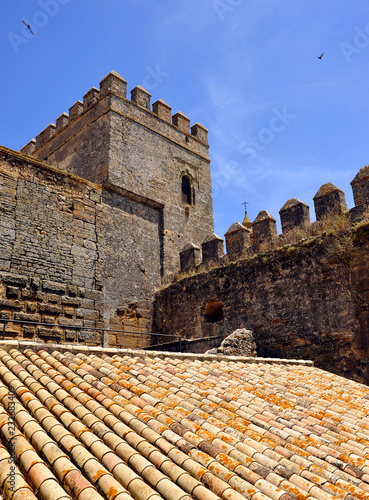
(334, 232)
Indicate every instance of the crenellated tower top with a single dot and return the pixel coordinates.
(143, 153)
(115, 85)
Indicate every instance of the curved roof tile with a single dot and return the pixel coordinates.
(154, 425)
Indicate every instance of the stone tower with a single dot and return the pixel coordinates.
(154, 170)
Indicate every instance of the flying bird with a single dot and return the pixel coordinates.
(141, 269)
(321, 55)
(28, 26)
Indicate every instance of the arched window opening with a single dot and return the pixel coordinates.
(213, 311)
(186, 190)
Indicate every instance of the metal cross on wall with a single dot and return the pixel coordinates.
(245, 203)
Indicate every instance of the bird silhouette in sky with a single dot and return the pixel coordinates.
(141, 269)
(28, 26)
(321, 55)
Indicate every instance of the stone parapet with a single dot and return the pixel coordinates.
(75, 111)
(237, 240)
(141, 96)
(264, 228)
(294, 213)
(161, 108)
(92, 96)
(114, 84)
(200, 132)
(360, 187)
(189, 257)
(212, 249)
(181, 121)
(329, 200)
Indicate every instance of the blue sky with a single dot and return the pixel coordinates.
(281, 122)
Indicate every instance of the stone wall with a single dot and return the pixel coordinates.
(131, 256)
(308, 301)
(49, 264)
(74, 254)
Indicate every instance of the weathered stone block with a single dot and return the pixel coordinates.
(53, 298)
(48, 319)
(14, 279)
(12, 304)
(12, 292)
(237, 240)
(62, 320)
(212, 249)
(71, 301)
(162, 109)
(294, 213)
(181, 121)
(53, 287)
(264, 228)
(27, 317)
(28, 331)
(114, 83)
(190, 257)
(83, 212)
(49, 332)
(141, 96)
(360, 187)
(88, 303)
(69, 311)
(112, 339)
(200, 132)
(89, 314)
(70, 335)
(49, 308)
(329, 200)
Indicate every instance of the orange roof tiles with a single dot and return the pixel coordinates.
(178, 427)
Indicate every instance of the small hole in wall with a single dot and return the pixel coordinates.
(213, 311)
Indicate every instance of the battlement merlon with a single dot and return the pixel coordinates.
(112, 97)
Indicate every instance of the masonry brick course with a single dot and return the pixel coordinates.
(45, 260)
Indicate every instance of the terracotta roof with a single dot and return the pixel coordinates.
(147, 425)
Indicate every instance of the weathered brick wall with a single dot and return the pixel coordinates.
(74, 254)
(49, 258)
(308, 302)
(132, 263)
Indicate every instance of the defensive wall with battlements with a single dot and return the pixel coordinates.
(304, 294)
(254, 237)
